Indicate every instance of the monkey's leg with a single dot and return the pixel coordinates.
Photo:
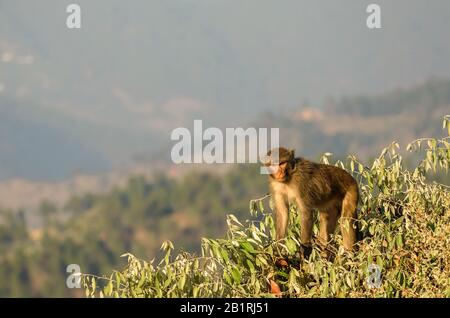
(307, 222)
(327, 224)
(282, 216)
(349, 215)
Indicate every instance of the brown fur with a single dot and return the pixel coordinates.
(329, 189)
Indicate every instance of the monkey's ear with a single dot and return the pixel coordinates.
(292, 153)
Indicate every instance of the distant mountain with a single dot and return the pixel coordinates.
(30, 148)
(364, 124)
(352, 125)
(428, 96)
(136, 70)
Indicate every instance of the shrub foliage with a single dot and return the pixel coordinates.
(403, 217)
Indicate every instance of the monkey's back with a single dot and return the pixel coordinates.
(319, 183)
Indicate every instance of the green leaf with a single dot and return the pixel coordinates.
(399, 241)
(236, 275)
(182, 281)
(225, 255)
(256, 236)
(348, 281)
(261, 206)
(380, 262)
(250, 266)
(141, 281)
(216, 251)
(196, 265)
(227, 277)
(252, 207)
(291, 246)
(333, 276)
(248, 247)
(234, 219)
(108, 288)
(195, 291)
(283, 274)
(261, 259)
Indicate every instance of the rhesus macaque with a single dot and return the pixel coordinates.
(329, 189)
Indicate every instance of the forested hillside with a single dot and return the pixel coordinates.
(404, 216)
(94, 230)
(351, 125)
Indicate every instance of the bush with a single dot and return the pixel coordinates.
(404, 220)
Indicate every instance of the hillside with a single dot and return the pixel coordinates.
(94, 230)
(351, 125)
(362, 124)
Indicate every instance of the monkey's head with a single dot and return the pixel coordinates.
(280, 162)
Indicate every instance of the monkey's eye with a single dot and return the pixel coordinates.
(283, 165)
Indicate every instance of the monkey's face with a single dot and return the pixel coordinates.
(278, 162)
(280, 173)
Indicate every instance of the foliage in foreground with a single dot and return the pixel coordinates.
(404, 220)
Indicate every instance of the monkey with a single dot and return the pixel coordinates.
(312, 186)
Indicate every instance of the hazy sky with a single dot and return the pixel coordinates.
(137, 69)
